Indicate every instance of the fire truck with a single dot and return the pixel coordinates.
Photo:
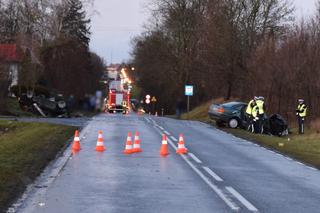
(118, 98)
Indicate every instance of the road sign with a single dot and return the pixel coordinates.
(189, 90)
(153, 99)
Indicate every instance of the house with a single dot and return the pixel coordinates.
(11, 56)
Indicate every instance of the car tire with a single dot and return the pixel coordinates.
(233, 123)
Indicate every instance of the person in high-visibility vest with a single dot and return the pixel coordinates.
(301, 113)
(255, 119)
(261, 113)
(249, 116)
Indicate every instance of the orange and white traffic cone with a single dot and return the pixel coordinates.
(76, 142)
(100, 146)
(136, 145)
(181, 147)
(129, 147)
(164, 147)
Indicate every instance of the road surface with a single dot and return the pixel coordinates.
(221, 173)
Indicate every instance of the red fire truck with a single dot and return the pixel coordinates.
(118, 98)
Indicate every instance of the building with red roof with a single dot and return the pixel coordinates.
(11, 55)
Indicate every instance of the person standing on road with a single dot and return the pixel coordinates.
(261, 113)
(301, 113)
(249, 116)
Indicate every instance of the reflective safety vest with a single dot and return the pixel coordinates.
(249, 107)
(302, 110)
(255, 111)
(260, 104)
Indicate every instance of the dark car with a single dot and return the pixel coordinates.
(231, 114)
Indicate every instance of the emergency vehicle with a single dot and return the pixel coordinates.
(118, 98)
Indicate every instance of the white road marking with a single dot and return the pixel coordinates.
(312, 168)
(288, 158)
(166, 132)
(215, 188)
(160, 127)
(194, 158)
(300, 163)
(214, 175)
(244, 201)
(173, 138)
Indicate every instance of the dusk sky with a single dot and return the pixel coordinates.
(117, 22)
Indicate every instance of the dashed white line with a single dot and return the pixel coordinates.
(173, 138)
(214, 175)
(194, 158)
(166, 132)
(211, 185)
(244, 201)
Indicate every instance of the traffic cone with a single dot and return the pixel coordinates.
(164, 147)
(136, 145)
(181, 147)
(129, 147)
(100, 147)
(76, 142)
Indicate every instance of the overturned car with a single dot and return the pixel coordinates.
(40, 101)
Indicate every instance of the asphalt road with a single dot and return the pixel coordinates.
(221, 173)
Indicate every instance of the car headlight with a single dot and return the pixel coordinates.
(62, 104)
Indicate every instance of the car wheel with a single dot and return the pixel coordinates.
(233, 123)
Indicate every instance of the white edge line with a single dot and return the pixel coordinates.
(194, 158)
(244, 201)
(205, 179)
(214, 175)
(211, 185)
(173, 138)
(167, 133)
(160, 127)
(310, 167)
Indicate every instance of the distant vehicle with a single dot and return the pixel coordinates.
(231, 114)
(118, 98)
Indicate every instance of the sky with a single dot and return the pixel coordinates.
(116, 22)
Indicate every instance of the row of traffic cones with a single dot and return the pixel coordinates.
(130, 147)
(181, 146)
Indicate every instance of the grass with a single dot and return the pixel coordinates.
(199, 113)
(13, 108)
(305, 148)
(25, 150)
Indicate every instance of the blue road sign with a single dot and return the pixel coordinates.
(189, 90)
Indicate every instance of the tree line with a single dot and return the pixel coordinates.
(231, 49)
(53, 37)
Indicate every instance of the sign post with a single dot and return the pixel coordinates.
(188, 93)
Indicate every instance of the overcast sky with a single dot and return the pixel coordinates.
(116, 22)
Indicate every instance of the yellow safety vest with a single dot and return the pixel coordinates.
(255, 111)
(260, 104)
(249, 108)
(302, 110)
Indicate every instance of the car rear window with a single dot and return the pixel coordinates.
(231, 104)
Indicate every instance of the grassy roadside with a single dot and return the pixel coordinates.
(305, 148)
(25, 150)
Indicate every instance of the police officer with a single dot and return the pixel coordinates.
(249, 116)
(255, 119)
(301, 113)
(261, 113)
